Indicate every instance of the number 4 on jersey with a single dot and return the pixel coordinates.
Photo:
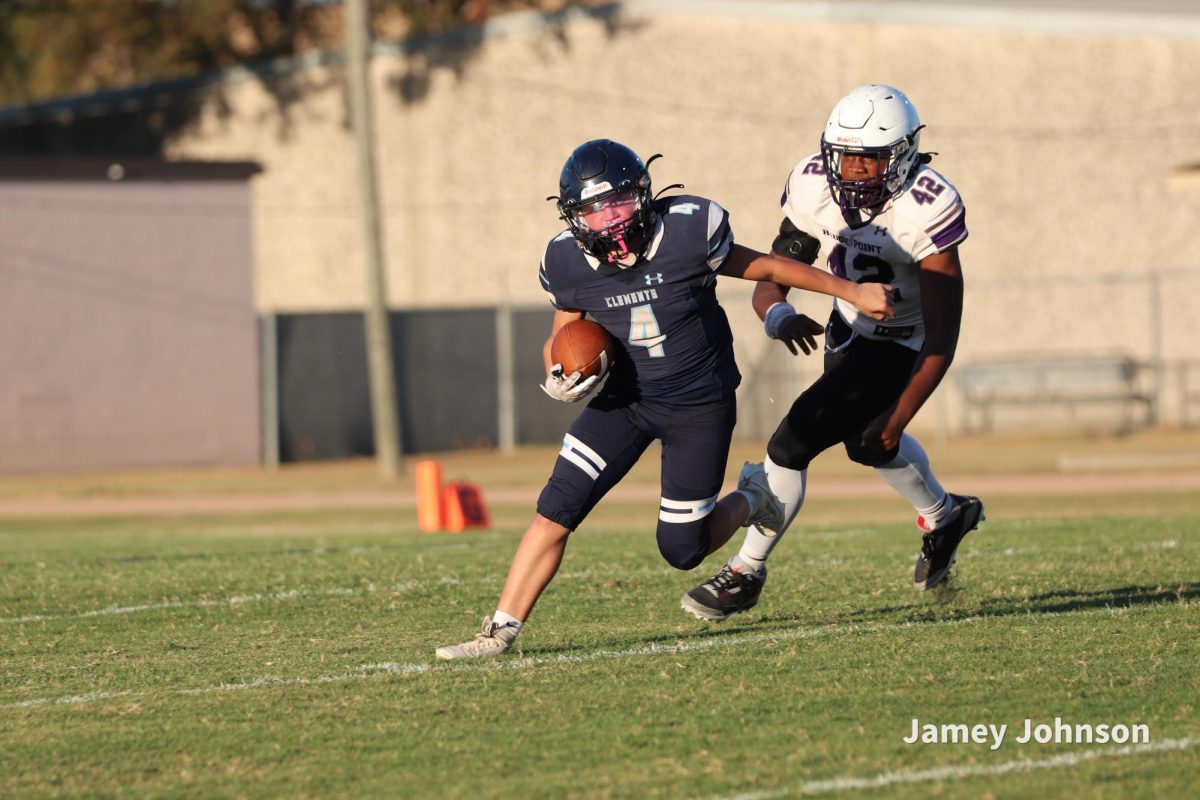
(644, 330)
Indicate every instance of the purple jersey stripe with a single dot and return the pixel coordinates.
(787, 189)
(947, 221)
(951, 212)
(952, 233)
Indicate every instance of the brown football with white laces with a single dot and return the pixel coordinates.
(583, 346)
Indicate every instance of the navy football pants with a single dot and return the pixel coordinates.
(608, 438)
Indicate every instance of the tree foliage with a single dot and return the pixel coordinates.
(51, 48)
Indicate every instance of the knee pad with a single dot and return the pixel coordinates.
(813, 424)
(869, 456)
(787, 448)
(684, 544)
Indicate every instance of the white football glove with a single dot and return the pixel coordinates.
(568, 388)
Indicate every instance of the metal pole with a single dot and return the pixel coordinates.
(378, 338)
(506, 390)
(269, 375)
(1157, 365)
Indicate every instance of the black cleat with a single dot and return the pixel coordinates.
(729, 591)
(940, 544)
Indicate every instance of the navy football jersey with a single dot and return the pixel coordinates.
(673, 338)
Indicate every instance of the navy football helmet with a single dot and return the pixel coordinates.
(604, 196)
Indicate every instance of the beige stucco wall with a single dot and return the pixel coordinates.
(1062, 143)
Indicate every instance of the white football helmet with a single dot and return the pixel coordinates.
(873, 119)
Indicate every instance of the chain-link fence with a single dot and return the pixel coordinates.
(1055, 338)
(449, 380)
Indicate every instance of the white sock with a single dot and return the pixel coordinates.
(507, 626)
(788, 485)
(930, 518)
(909, 474)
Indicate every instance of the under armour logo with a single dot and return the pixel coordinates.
(653, 279)
(880, 231)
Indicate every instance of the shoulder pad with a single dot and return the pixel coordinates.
(805, 185)
(928, 198)
(931, 212)
(685, 204)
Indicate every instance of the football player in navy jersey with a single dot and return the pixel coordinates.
(869, 208)
(646, 269)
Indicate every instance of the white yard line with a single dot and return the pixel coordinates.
(75, 700)
(240, 599)
(367, 671)
(232, 601)
(883, 779)
(236, 600)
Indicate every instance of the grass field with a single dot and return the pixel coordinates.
(289, 653)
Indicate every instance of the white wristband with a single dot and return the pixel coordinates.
(776, 316)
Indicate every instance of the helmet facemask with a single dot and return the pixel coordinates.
(868, 193)
(612, 224)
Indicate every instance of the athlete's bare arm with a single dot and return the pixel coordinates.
(767, 294)
(941, 307)
(872, 299)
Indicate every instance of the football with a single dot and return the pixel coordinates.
(582, 346)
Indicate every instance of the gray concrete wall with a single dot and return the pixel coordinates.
(1062, 129)
(127, 326)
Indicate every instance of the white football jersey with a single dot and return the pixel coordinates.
(928, 217)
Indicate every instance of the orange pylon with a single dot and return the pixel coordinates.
(430, 512)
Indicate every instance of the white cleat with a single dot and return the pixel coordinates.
(486, 644)
(767, 511)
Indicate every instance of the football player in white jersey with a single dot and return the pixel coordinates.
(870, 209)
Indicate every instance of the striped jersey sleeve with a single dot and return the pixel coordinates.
(544, 273)
(720, 236)
(933, 215)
